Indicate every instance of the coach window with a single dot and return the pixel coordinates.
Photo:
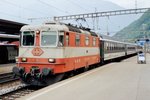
(28, 38)
(94, 41)
(107, 45)
(87, 41)
(77, 40)
(110, 46)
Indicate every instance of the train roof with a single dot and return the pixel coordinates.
(102, 36)
(58, 26)
(114, 41)
(111, 39)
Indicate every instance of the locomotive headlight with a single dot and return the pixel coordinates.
(51, 60)
(17, 59)
(24, 59)
(37, 32)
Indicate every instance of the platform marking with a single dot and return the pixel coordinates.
(74, 79)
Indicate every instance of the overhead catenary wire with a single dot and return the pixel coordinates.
(10, 15)
(77, 5)
(25, 8)
(49, 5)
(29, 10)
(131, 32)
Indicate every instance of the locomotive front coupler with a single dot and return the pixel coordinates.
(34, 70)
(35, 73)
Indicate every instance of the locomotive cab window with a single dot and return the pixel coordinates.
(28, 38)
(49, 38)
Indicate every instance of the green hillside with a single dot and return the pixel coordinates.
(138, 29)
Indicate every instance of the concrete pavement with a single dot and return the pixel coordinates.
(125, 80)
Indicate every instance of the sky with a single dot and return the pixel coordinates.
(131, 3)
(22, 10)
(43, 10)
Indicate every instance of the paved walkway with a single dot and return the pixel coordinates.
(6, 68)
(126, 80)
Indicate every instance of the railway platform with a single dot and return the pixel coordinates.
(126, 80)
(6, 68)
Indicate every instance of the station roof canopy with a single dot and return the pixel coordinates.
(9, 27)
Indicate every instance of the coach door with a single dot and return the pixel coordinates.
(101, 51)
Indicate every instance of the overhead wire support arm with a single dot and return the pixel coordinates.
(101, 14)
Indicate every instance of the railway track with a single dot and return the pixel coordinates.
(16, 92)
(12, 88)
(7, 77)
(9, 83)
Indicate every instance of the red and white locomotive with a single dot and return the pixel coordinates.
(48, 51)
